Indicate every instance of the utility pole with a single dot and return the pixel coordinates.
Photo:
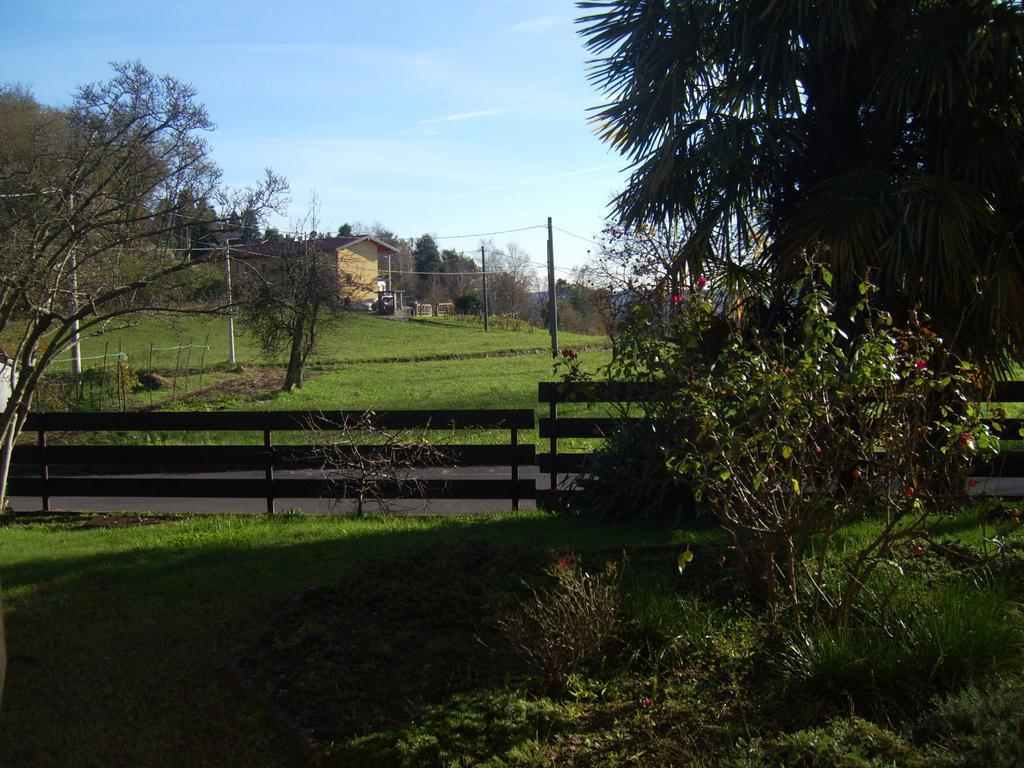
(76, 339)
(552, 298)
(231, 310)
(483, 273)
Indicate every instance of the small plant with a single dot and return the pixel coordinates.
(976, 726)
(364, 461)
(850, 742)
(571, 624)
(919, 643)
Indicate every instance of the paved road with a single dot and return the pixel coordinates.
(127, 505)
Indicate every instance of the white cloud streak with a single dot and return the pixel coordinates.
(459, 117)
(533, 26)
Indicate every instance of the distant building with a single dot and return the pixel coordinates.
(355, 258)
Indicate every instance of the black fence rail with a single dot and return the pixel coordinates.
(1009, 463)
(46, 470)
(556, 427)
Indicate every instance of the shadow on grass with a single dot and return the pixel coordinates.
(120, 641)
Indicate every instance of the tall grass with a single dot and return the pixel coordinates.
(927, 640)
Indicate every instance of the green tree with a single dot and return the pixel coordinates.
(426, 256)
(883, 138)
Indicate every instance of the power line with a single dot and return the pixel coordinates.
(578, 237)
(487, 234)
(450, 274)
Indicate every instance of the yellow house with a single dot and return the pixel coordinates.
(356, 260)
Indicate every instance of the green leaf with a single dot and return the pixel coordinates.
(787, 453)
(796, 485)
(685, 558)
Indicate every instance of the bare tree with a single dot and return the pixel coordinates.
(511, 279)
(91, 199)
(292, 293)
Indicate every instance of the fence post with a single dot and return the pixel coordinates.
(268, 444)
(553, 413)
(515, 461)
(44, 471)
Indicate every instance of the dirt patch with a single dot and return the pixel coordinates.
(252, 382)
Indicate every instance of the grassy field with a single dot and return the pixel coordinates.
(121, 639)
(382, 640)
(365, 363)
(357, 338)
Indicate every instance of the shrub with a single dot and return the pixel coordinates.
(788, 434)
(469, 303)
(845, 742)
(627, 479)
(571, 624)
(976, 726)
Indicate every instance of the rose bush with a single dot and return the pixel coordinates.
(786, 435)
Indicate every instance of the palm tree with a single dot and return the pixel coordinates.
(884, 138)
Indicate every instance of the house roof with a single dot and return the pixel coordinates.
(321, 244)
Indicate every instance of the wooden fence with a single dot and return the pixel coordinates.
(1009, 463)
(46, 470)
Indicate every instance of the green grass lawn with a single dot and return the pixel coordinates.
(120, 640)
(492, 382)
(382, 639)
(499, 381)
(356, 338)
(364, 363)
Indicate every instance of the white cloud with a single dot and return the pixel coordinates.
(533, 26)
(459, 117)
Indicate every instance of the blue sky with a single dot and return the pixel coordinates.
(452, 117)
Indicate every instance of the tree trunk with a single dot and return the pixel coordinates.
(5, 466)
(293, 378)
(13, 422)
